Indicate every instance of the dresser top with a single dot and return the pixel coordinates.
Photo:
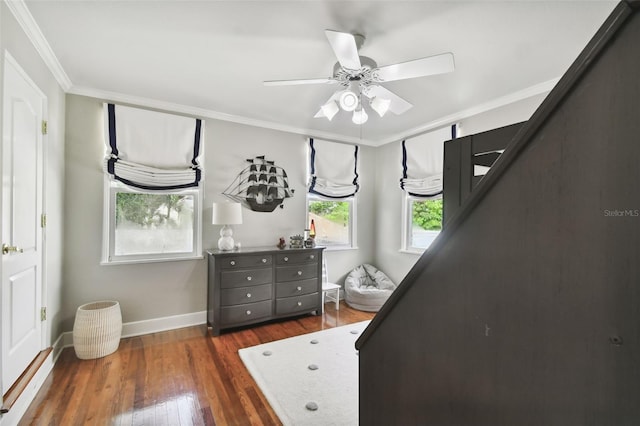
(266, 249)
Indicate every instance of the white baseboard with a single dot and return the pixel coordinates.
(155, 325)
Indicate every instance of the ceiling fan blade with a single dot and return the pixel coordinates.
(438, 64)
(345, 48)
(397, 106)
(298, 82)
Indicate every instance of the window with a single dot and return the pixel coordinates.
(422, 167)
(423, 222)
(152, 186)
(148, 225)
(333, 185)
(333, 220)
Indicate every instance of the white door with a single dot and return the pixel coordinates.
(23, 107)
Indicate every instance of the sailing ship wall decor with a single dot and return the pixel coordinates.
(261, 186)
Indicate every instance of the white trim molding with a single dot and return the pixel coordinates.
(24, 17)
(156, 325)
(536, 89)
(207, 113)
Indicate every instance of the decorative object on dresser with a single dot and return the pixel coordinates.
(226, 214)
(296, 241)
(257, 284)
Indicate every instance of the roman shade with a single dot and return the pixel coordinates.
(422, 162)
(152, 150)
(334, 169)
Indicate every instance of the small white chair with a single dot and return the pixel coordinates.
(330, 291)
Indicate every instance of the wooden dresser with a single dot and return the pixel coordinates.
(257, 284)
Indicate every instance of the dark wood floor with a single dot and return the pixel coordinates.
(179, 377)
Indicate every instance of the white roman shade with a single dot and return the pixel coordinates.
(152, 150)
(334, 169)
(422, 162)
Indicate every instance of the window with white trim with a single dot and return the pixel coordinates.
(331, 200)
(152, 226)
(152, 191)
(423, 222)
(334, 221)
(421, 180)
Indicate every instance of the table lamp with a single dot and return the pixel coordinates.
(226, 214)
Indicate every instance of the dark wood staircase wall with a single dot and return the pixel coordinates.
(526, 311)
(461, 155)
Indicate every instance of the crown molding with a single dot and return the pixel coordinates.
(28, 24)
(537, 89)
(206, 113)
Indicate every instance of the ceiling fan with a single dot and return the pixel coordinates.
(360, 75)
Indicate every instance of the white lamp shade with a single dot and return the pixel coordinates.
(360, 116)
(348, 100)
(381, 106)
(226, 214)
(330, 109)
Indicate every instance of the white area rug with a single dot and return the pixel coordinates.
(318, 368)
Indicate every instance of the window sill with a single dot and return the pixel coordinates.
(139, 261)
(339, 248)
(416, 252)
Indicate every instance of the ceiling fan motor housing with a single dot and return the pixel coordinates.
(363, 76)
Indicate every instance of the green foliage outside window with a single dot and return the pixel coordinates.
(147, 209)
(335, 211)
(428, 214)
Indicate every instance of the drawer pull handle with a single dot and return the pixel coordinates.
(248, 312)
(299, 303)
(264, 260)
(286, 259)
(299, 288)
(249, 295)
(249, 278)
(312, 257)
(299, 272)
(232, 263)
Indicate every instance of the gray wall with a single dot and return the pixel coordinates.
(14, 40)
(156, 290)
(389, 203)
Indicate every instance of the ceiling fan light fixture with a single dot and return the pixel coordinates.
(330, 109)
(348, 100)
(360, 116)
(381, 106)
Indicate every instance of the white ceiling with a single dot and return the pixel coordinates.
(209, 58)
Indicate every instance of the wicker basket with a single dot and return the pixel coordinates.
(97, 329)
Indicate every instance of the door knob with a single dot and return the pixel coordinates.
(6, 249)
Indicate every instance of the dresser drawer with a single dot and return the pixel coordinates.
(248, 312)
(296, 272)
(244, 261)
(295, 258)
(288, 305)
(296, 288)
(245, 278)
(241, 295)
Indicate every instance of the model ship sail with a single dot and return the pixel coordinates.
(261, 186)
